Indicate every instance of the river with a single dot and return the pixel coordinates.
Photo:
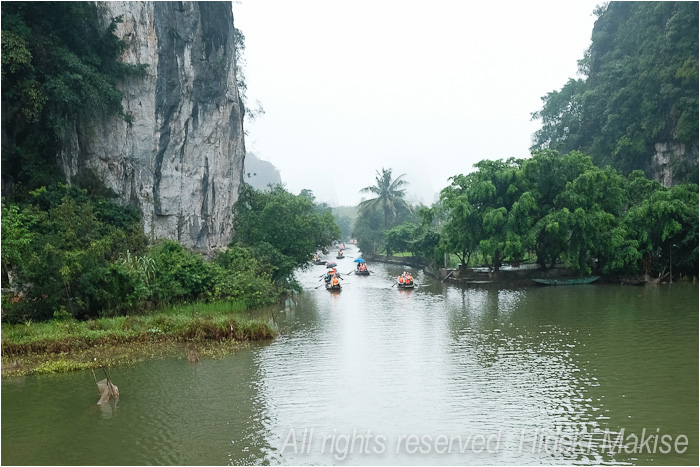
(376, 375)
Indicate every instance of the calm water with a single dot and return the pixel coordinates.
(437, 375)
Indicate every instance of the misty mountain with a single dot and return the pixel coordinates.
(259, 173)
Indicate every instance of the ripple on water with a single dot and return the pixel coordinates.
(431, 361)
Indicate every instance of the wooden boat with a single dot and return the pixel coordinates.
(340, 257)
(362, 273)
(406, 285)
(333, 288)
(565, 281)
(319, 262)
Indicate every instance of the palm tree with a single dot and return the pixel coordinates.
(389, 195)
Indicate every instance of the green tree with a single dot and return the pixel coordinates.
(640, 88)
(369, 232)
(345, 224)
(56, 57)
(664, 230)
(389, 197)
(462, 231)
(72, 260)
(480, 206)
(17, 236)
(242, 276)
(284, 229)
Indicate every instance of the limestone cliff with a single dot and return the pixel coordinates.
(181, 161)
(673, 163)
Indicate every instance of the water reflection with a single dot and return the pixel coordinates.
(511, 366)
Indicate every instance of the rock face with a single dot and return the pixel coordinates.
(674, 163)
(181, 160)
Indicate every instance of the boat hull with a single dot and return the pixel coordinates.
(564, 281)
(362, 273)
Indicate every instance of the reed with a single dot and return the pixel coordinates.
(64, 345)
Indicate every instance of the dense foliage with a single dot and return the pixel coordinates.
(640, 87)
(282, 229)
(379, 214)
(56, 57)
(67, 253)
(388, 198)
(552, 207)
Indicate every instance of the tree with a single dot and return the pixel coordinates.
(56, 57)
(17, 236)
(664, 228)
(640, 88)
(461, 232)
(72, 259)
(283, 229)
(368, 232)
(480, 206)
(389, 198)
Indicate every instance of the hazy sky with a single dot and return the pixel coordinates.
(424, 88)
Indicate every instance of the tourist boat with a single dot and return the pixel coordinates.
(406, 284)
(362, 273)
(340, 255)
(565, 281)
(319, 261)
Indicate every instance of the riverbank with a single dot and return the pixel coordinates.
(402, 260)
(514, 276)
(65, 345)
(523, 275)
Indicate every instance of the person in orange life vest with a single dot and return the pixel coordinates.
(335, 280)
(401, 279)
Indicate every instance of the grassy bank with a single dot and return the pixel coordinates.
(67, 344)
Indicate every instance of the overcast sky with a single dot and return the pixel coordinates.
(424, 88)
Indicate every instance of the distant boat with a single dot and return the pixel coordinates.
(564, 281)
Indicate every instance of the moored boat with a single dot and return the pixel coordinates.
(568, 281)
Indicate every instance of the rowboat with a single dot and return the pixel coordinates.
(565, 281)
(319, 262)
(332, 288)
(362, 273)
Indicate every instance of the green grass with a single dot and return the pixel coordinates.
(215, 308)
(61, 345)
